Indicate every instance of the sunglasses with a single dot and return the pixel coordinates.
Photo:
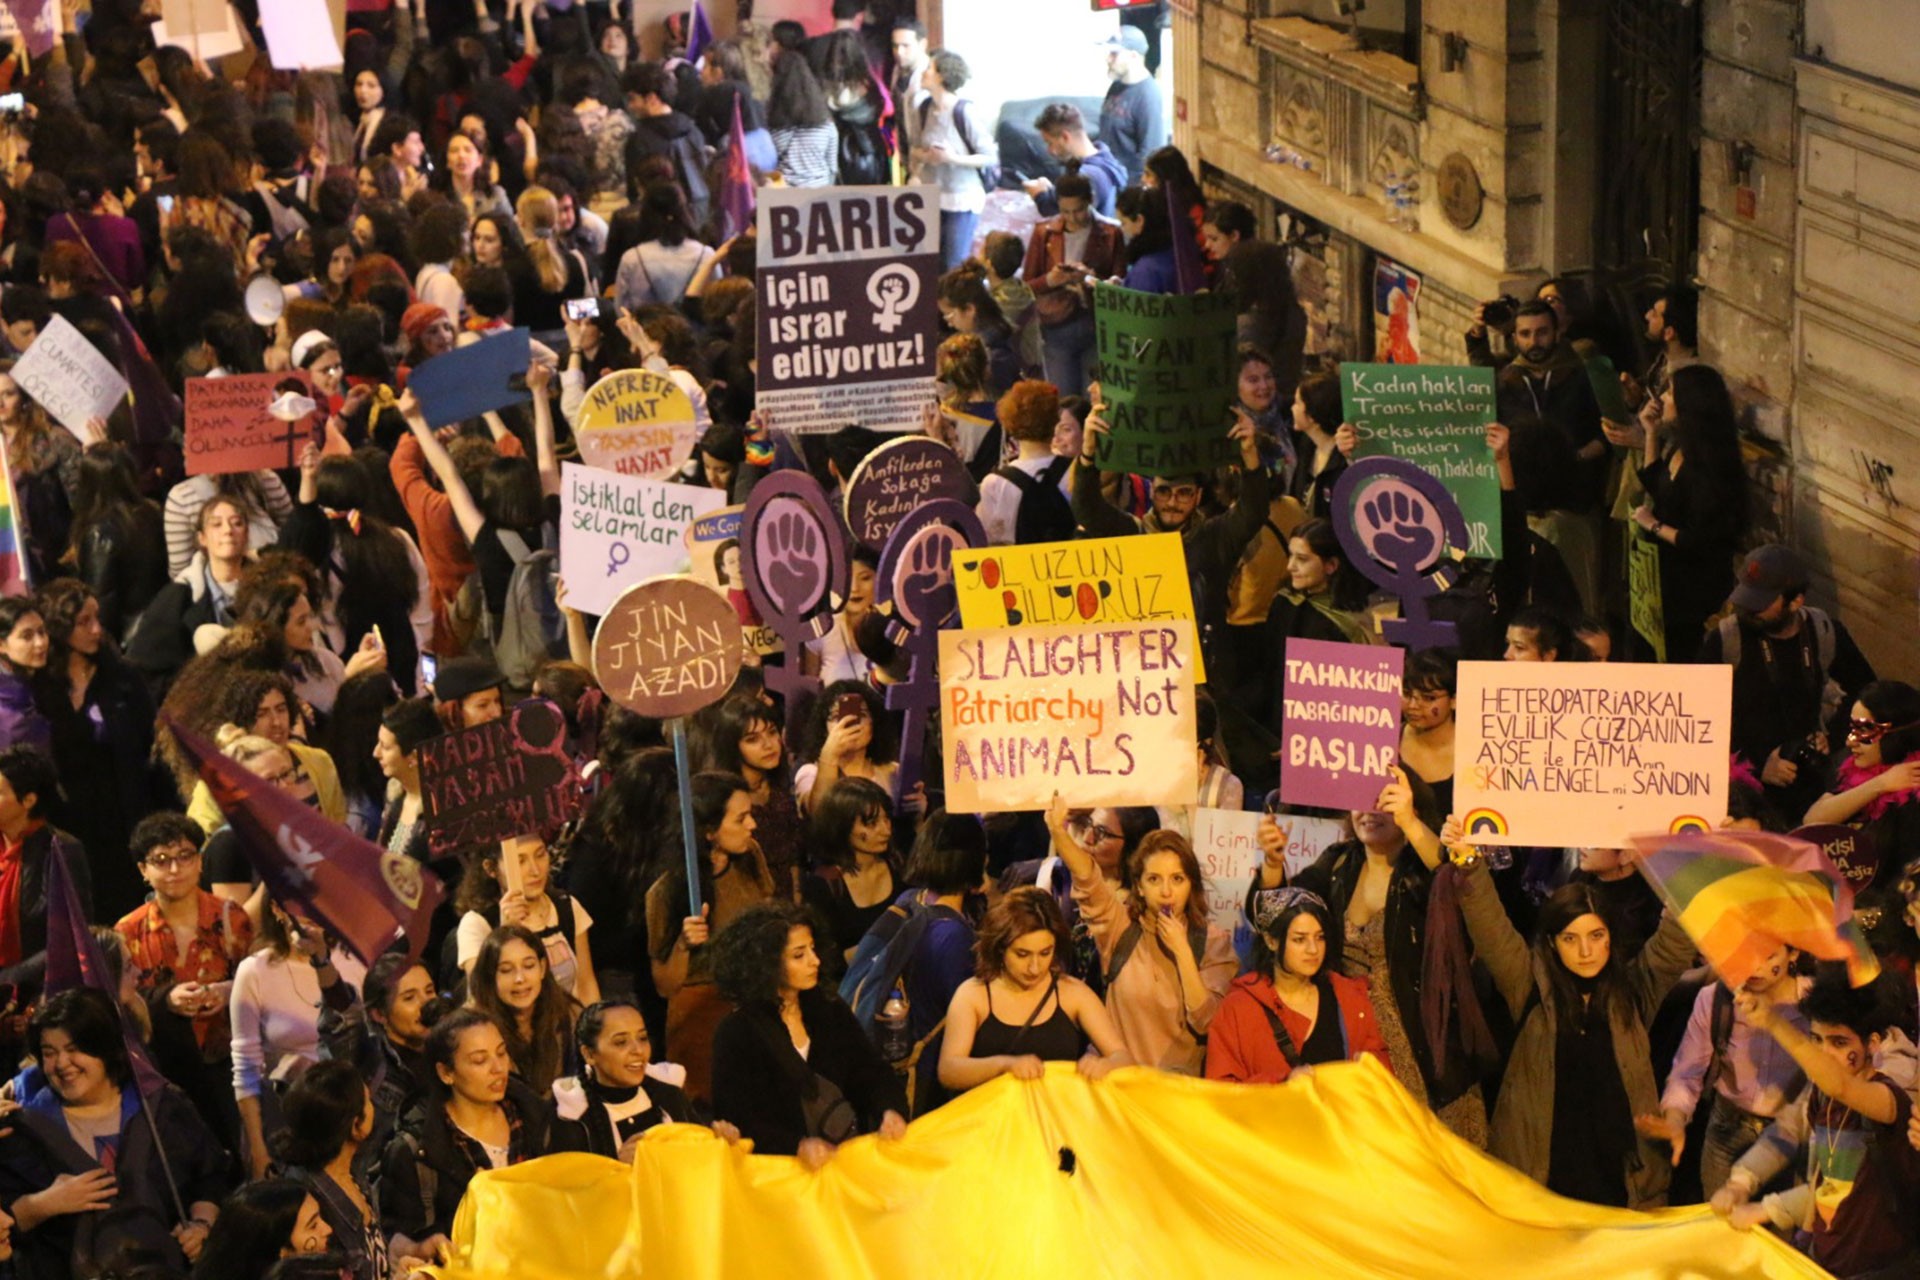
(1866, 732)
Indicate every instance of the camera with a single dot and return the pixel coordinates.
(1809, 754)
(1500, 312)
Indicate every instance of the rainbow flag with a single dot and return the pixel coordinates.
(14, 579)
(1740, 894)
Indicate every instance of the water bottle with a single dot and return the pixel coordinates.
(893, 1039)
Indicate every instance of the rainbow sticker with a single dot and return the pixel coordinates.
(1686, 823)
(1486, 822)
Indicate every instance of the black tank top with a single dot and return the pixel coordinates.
(1052, 1039)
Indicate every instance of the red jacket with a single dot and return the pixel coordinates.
(1047, 249)
(1240, 1043)
(443, 547)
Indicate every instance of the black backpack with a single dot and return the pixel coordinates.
(689, 156)
(1045, 515)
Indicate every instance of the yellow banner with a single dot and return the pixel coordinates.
(1136, 579)
(1341, 1174)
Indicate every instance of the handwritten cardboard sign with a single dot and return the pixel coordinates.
(1134, 579)
(616, 530)
(714, 559)
(1167, 374)
(300, 35)
(1436, 417)
(468, 381)
(667, 647)
(1341, 732)
(1102, 714)
(69, 378)
(848, 281)
(509, 777)
(638, 423)
(229, 429)
(897, 477)
(1227, 844)
(1587, 753)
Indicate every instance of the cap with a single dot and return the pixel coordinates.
(1132, 39)
(1768, 574)
(465, 676)
(305, 345)
(420, 317)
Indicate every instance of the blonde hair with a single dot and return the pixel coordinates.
(34, 425)
(538, 214)
(244, 746)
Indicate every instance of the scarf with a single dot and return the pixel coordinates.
(10, 877)
(1446, 986)
(1851, 775)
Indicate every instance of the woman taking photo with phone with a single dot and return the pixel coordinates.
(1019, 1011)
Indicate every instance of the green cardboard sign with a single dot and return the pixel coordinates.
(1605, 380)
(1167, 378)
(1436, 417)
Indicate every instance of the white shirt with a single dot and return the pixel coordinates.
(999, 505)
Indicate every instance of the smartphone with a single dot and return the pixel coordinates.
(166, 205)
(850, 704)
(583, 309)
(429, 667)
(12, 104)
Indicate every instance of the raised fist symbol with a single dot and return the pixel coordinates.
(1401, 538)
(790, 561)
(926, 594)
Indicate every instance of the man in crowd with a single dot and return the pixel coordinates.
(1259, 275)
(910, 59)
(1130, 118)
(1064, 255)
(1064, 130)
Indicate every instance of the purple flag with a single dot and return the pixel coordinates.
(74, 959)
(1189, 272)
(36, 19)
(365, 895)
(699, 32)
(737, 199)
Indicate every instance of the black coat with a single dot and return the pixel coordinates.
(760, 1079)
(123, 561)
(426, 1171)
(593, 1130)
(161, 642)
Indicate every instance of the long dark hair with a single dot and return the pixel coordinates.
(796, 100)
(321, 1109)
(732, 720)
(848, 801)
(1265, 958)
(60, 603)
(711, 793)
(253, 1229)
(1567, 992)
(1345, 586)
(1707, 432)
(636, 817)
(373, 564)
(1151, 208)
(351, 730)
(108, 493)
(538, 1057)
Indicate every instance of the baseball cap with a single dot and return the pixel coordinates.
(1769, 573)
(1132, 39)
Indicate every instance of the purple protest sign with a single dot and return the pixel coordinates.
(1853, 851)
(1342, 733)
(794, 559)
(897, 477)
(1402, 529)
(915, 579)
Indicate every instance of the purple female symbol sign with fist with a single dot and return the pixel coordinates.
(1401, 528)
(794, 560)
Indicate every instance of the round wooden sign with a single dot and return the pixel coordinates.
(1461, 196)
(638, 423)
(896, 478)
(668, 647)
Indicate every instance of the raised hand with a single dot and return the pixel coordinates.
(1400, 537)
(792, 568)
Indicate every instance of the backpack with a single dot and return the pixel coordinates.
(880, 961)
(862, 156)
(1044, 515)
(531, 629)
(1824, 645)
(689, 157)
(963, 125)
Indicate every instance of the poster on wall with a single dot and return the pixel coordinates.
(848, 282)
(1396, 313)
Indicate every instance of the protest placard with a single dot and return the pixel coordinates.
(1104, 715)
(1590, 753)
(468, 381)
(231, 430)
(206, 28)
(1341, 723)
(509, 777)
(300, 35)
(897, 477)
(667, 647)
(1436, 417)
(1853, 851)
(1403, 531)
(616, 530)
(638, 423)
(848, 283)
(1605, 381)
(1134, 579)
(1167, 379)
(69, 378)
(713, 559)
(796, 568)
(1645, 609)
(1226, 843)
(39, 19)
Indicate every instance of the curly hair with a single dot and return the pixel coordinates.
(747, 954)
(1030, 410)
(1025, 910)
(885, 747)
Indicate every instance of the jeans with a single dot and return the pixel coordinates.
(1730, 1132)
(1066, 350)
(956, 237)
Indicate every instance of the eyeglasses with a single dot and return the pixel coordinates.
(168, 861)
(1866, 732)
(1087, 831)
(1178, 492)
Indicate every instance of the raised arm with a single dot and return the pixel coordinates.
(539, 376)
(465, 509)
(1825, 1072)
(1079, 862)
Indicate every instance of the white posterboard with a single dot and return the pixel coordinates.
(69, 378)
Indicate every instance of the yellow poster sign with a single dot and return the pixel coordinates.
(1095, 580)
(638, 423)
